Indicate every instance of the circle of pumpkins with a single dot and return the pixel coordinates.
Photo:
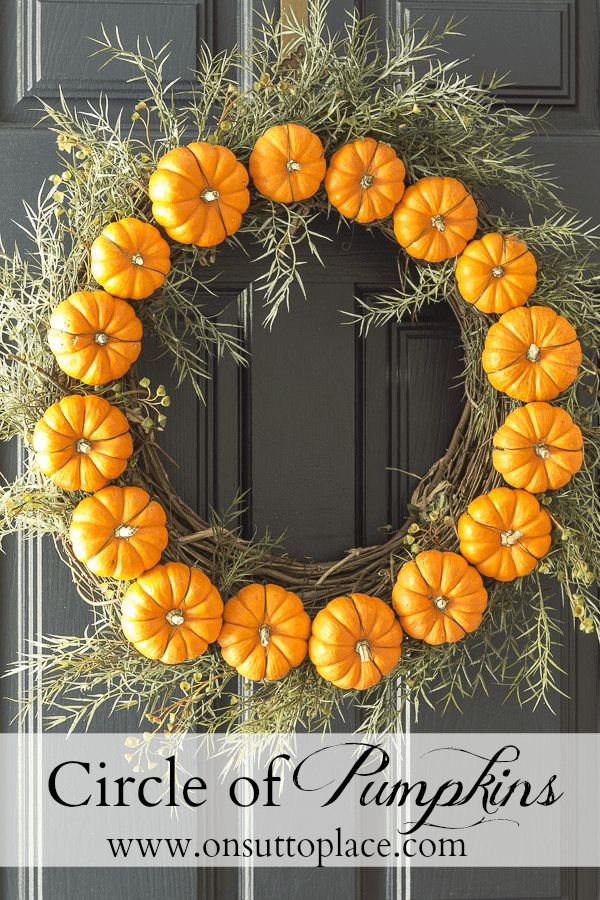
(172, 612)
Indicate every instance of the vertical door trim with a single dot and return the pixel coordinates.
(29, 763)
(245, 30)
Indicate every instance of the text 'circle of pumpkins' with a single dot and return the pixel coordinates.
(538, 448)
(435, 218)
(531, 353)
(82, 443)
(355, 641)
(130, 259)
(199, 193)
(504, 533)
(172, 613)
(365, 180)
(496, 273)
(439, 597)
(265, 632)
(287, 163)
(94, 337)
(118, 532)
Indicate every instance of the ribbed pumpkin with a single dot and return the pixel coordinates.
(94, 337)
(531, 353)
(355, 641)
(539, 448)
(199, 193)
(504, 533)
(265, 632)
(365, 180)
(287, 163)
(82, 443)
(172, 613)
(439, 597)
(496, 273)
(119, 532)
(130, 259)
(435, 218)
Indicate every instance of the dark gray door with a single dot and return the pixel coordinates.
(327, 478)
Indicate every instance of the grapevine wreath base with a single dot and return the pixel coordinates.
(349, 99)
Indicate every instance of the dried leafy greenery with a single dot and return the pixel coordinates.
(407, 92)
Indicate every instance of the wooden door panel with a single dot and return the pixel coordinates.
(551, 51)
(46, 44)
(303, 428)
(43, 44)
(496, 39)
(320, 412)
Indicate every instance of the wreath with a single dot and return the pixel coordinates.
(379, 136)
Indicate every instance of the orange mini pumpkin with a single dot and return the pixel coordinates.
(287, 163)
(265, 632)
(365, 180)
(439, 597)
(496, 273)
(504, 533)
(130, 259)
(94, 337)
(199, 193)
(119, 532)
(82, 443)
(435, 219)
(539, 448)
(172, 613)
(355, 641)
(531, 353)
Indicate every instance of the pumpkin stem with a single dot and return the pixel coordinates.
(533, 354)
(137, 259)
(125, 531)
(363, 648)
(498, 271)
(510, 538)
(175, 617)
(209, 195)
(83, 446)
(293, 166)
(438, 222)
(440, 602)
(101, 338)
(366, 181)
(542, 451)
(265, 634)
